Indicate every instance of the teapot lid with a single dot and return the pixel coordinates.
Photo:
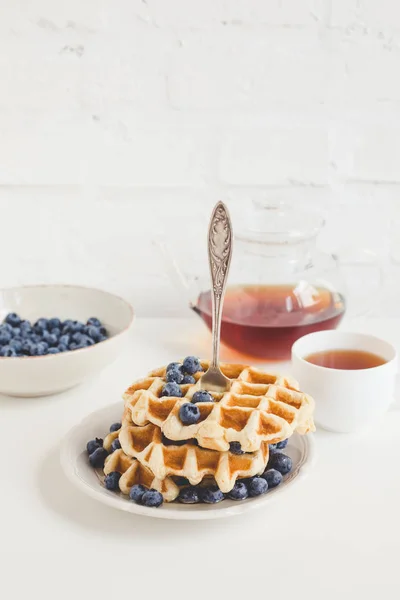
(279, 224)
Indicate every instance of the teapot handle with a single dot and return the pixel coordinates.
(363, 274)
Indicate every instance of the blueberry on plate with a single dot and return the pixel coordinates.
(6, 327)
(41, 348)
(137, 492)
(56, 331)
(116, 445)
(272, 477)
(189, 495)
(53, 351)
(17, 345)
(62, 347)
(172, 366)
(13, 319)
(191, 365)
(5, 337)
(98, 457)
(54, 323)
(16, 331)
(174, 375)
(111, 481)
(75, 327)
(50, 338)
(188, 379)
(171, 389)
(211, 494)
(7, 351)
(152, 499)
(73, 346)
(115, 427)
(93, 332)
(257, 486)
(93, 321)
(40, 325)
(189, 413)
(281, 445)
(92, 445)
(236, 448)
(65, 339)
(239, 491)
(66, 326)
(280, 462)
(77, 337)
(202, 396)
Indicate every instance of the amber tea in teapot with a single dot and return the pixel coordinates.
(264, 321)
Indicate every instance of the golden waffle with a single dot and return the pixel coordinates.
(187, 460)
(133, 472)
(259, 407)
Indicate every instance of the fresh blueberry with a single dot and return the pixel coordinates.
(111, 481)
(35, 338)
(280, 462)
(75, 327)
(41, 349)
(73, 346)
(78, 336)
(103, 331)
(93, 321)
(116, 445)
(281, 445)
(56, 331)
(272, 448)
(236, 448)
(137, 492)
(171, 389)
(92, 445)
(257, 486)
(17, 345)
(188, 379)
(173, 365)
(181, 481)
(50, 338)
(13, 319)
(54, 323)
(191, 365)
(98, 457)
(175, 375)
(7, 351)
(239, 491)
(6, 327)
(86, 341)
(167, 442)
(65, 339)
(16, 331)
(115, 427)
(25, 324)
(272, 477)
(211, 494)
(66, 326)
(62, 348)
(53, 351)
(152, 499)
(202, 396)
(189, 413)
(189, 495)
(27, 346)
(40, 325)
(93, 332)
(5, 337)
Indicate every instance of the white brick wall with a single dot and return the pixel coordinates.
(127, 118)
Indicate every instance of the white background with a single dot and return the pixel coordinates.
(121, 119)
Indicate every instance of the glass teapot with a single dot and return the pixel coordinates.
(280, 285)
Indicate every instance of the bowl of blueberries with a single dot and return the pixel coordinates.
(53, 337)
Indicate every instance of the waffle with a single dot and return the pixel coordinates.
(260, 407)
(133, 472)
(189, 460)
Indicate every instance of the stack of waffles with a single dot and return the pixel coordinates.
(158, 451)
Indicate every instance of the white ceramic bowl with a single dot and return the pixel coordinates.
(53, 373)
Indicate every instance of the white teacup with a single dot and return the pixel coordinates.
(345, 400)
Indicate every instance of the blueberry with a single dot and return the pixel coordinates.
(103, 338)
(181, 481)
(111, 481)
(171, 389)
(175, 375)
(152, 499)
(236, 448)
(7, 351)
(280, 462)
(92, 445)
(5, 337)
(75, 327)
(281, 445)
(257, 486)
(73, 346)
(16, 331)
(93, 332)
(272, 477)
(116, 445)
(54, 323)
(98, 457)
(62, 348)
(53, 351)
(202, 396)
(17, 345)
(103, 331)
(173, 365)
(136, 493)
(40, 325)
(93, 321)
(272, 448)
(188, 379)
(35, 338)
(211, 494)
(27, 346)
(25, 325)
(189, 413)
(50, 338)
(77, 337)
(65, 339)
(191, 365)
(12, 319)
(41, 349)
(85, 341)
(239, 491)
(56, 331)
(189, 495)
(66, 326)
(115, 427)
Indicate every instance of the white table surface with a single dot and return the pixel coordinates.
(335, 535)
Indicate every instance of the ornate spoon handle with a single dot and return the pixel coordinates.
(219, 258)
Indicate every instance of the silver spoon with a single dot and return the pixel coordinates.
(219, 258)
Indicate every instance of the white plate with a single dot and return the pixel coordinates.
(75, 463)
